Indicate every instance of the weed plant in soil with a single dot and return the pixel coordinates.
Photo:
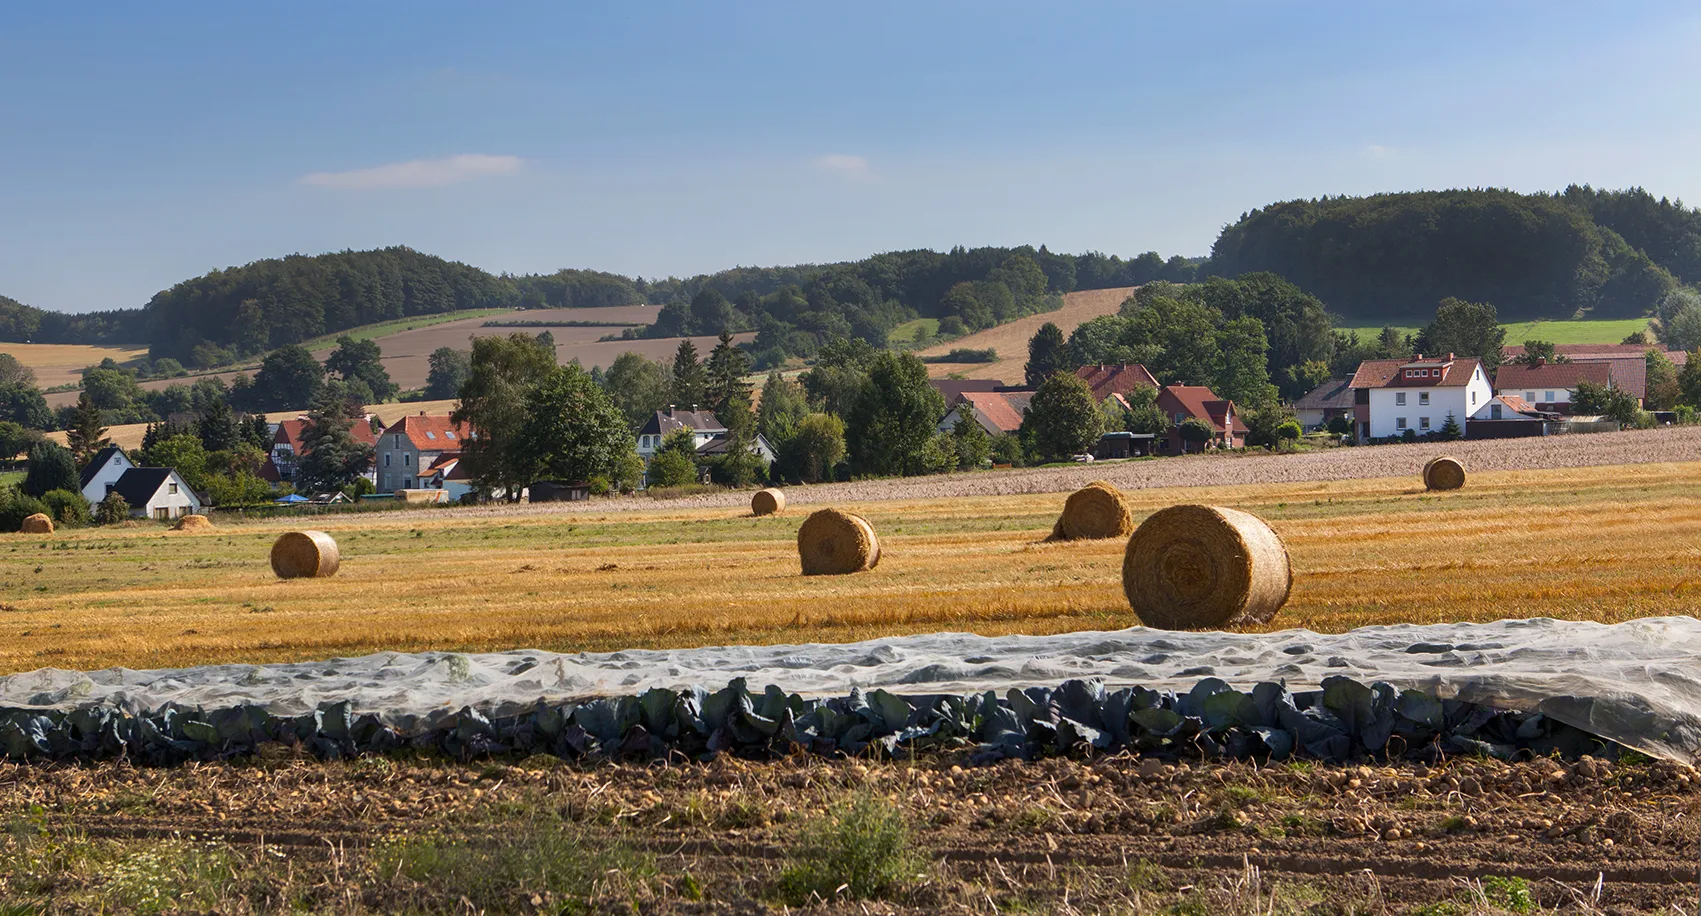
(1605, 544)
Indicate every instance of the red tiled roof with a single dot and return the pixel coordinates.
(996, 407)
(1389, 373)
(429, 433)
(953, 388)
(1581, 352)
(1199, 402)
(1517, 376)
(1517, 404)
(1630, 374)
(291, 432)
(1106, 380)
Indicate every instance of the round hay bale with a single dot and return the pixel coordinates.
(1097, 510)
(193, 523)
(832, 543)
(767, 502)
(38, 523)
(305, 555)
(1202, 567)
(1443, 472)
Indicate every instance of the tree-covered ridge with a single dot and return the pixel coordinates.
(1393, 256)
(20, 323)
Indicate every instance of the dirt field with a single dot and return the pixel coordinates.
(1011, 340)
(1570, 543)
(61, 364)
(1115, 835)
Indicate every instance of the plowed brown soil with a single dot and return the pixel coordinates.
(1117, 835)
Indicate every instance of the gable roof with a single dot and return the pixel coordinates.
(998, 408)
(138, 485)
(666, 421)
(1517, 376)
(1335, 394)
(292, 432)
(1516, 404)
(1200, 403)
(1590, 352)
(953, 388)
(1630, 374)
(1389, 373)
(429, 433)
(1105, 380)
(97, 462)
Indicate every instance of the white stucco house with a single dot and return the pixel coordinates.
(102, 472)
(1391, 396)
(703, 424)
(157, 493)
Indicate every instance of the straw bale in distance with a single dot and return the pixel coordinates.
(193, 523)
(305, 555)
(1444, 472)
(1204, 567)
(1097, 510)
(831, 542)
(767, 502)
(36, 524)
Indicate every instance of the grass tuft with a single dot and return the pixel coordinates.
(860, 849)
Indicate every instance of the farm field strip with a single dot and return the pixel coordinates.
(1573, 544)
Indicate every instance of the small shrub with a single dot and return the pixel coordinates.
(1410, 435)
(1289, 430)
(1511, 894)
(862, 846)
(1341, 426)
(671, 469)
(112, 510)
(66, 507)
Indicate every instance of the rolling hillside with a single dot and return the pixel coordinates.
(1011, 339)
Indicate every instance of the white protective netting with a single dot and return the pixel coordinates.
(1637, 683)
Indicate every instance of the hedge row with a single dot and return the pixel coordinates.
(1343, 720)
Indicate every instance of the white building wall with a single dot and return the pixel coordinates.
(1386, 411)
(173, 505)
(108, 475)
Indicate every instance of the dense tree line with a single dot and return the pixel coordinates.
(1393, 256)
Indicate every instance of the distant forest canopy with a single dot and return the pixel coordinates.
(240, 312)
(1392, 257)
(1385, 258)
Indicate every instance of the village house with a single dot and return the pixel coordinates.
(102, 473)
(997, 412)
(287, 449)
(157, 493)
(1105, 381)
(449, 474)
(1181, 403)
(1391, 396)
(703, 424)
(413, 447)
(1552, 386)
(1327, 401)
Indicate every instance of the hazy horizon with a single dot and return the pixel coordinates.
(153, 145)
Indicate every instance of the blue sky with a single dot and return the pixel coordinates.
(152, 142)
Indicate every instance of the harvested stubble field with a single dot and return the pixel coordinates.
(1117, 835)
(1602, 544)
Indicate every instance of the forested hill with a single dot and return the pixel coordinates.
(1392, 257)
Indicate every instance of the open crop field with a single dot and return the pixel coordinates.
(61, 364)
(1574, 543)
(1011, 338)
(1607, 331)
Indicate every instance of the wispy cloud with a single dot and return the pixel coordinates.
(418, 173)
(1378, 151)
(846, 165)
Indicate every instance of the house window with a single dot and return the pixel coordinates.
(1494, 411)
(1473, 399)
(449, 434)
(1530, 396)
(407, 458)
(1547, 396)
(1400, 398)
(1423, 397)
(398, 442)
(430, 435)
(171, 488)
(116, 461)
(1399, 422)
(163, 514)
(1423, 422)
(386, 459)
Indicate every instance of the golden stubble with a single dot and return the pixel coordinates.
(1604, 544)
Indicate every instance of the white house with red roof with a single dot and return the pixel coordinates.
(997, 412)
(287, 449)
(1391, 396)
(413, 450)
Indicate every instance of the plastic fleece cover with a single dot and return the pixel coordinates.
(1637, 683)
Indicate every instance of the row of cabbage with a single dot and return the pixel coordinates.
(1345, 719)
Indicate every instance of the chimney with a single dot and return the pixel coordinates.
(1449, 357)
(422, 413)
(1540, 361)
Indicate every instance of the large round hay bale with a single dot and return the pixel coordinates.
(767, 502)
(1202, 567)
(305, 555)
(1444, 472)
(832, 543)
(193, 523)
(1097, 510)
(36, 524)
